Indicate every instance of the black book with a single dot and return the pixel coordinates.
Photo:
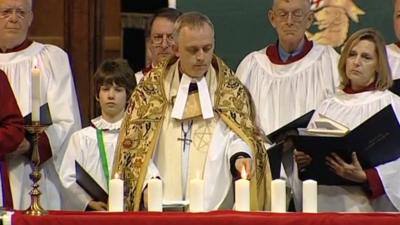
(275, 153)
(88, 184)
(280, 134)
(45, 116)
(376, 141)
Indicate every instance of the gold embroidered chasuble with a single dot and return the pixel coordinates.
(142, 124)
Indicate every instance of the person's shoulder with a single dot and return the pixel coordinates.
(323, 51)
(257, 53)
(52, 49)
(332, 98)
(393, 49)
(88, 131)
(322, 47)
(252, 57)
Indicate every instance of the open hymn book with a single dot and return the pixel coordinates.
(375, 141)
(325, 126)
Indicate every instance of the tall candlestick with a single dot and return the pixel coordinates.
(278, 195)
(196, 195)
(155, 195)
(310, 196)
(116, 195)
(242, 193)
(36, 94)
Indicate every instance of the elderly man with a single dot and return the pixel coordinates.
(18, 56)
(191, 118)
(159, 38)
(292, 76)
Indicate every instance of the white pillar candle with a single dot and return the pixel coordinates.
(36, 94)
(242, 193)
(7, 218)
(310, 196)
(116, 195)
(278, 195)
(196, 195)
(154, 195)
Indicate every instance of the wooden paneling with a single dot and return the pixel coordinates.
(88, 30)
(84, 35)
(112, 29)
(48, 18)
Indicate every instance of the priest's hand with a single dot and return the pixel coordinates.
(352, 171)
(98, 206)
(23, 148)
(302, 159)
(243, 162)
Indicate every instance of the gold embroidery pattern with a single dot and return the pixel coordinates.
(138, 135)
(202, 137)
(145, 113)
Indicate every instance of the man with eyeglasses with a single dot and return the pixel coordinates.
(289, 77)
(18, 56)
(159, 38)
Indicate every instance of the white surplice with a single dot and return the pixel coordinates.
(351, 110)
(57, 89)
(282, 93)
(83, 148)
(207, 156)
(393, 52)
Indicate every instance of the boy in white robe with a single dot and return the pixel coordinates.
(114, 82)
(17, 58)
(366, 76)
(291, 77)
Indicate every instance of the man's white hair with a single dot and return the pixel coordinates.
(307, 3)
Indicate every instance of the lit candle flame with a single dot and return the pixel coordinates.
(243, 173)
(116, 176)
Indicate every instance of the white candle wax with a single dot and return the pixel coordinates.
(278, 195)
(154, 195)
(116, 195)
(310, 196)
(36, 94)
(196, 195)
(242, 193)
(7, 218)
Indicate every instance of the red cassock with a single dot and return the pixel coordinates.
(11, 134)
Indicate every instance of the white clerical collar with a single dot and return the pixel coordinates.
(181, 98)
(101, 123)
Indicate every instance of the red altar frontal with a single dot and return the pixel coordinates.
(209, 218)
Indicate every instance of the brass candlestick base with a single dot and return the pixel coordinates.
(35, 209)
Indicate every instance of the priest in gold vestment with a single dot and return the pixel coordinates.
(192, 118)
